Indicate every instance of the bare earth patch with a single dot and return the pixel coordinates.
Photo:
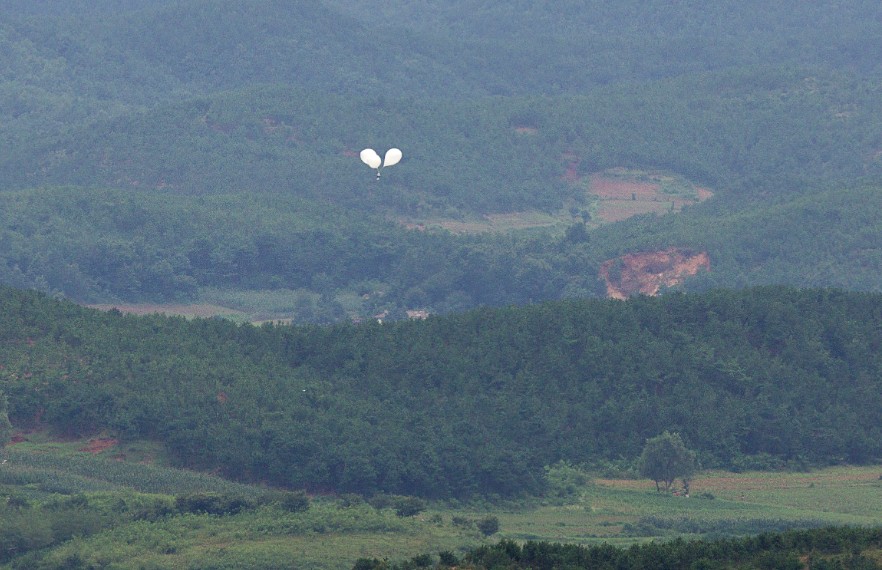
(99, 444)
(621, 193)
(647, 273)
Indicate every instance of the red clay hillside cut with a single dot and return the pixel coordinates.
(646, 273)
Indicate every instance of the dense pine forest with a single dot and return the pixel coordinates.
(474, 403)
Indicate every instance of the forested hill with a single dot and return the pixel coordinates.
(580, 44)
(118, 126)
(454, 49)
(471, 403)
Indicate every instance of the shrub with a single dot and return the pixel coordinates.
(294, 501)
(447, 558)
(564, 479)
(210, 504)
(348, 500)
(409, 506)
(488, 525)
(404, 506)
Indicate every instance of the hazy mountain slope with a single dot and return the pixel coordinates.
(759, 139)
(173, 98)
(168, 49)
(76, 9)
(769, 131)
(222, 44)
(60, 66)
(530, 46)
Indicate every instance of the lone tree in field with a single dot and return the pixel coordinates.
(665, 458)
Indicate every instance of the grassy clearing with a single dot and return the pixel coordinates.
(333, 533)
(42, 471)
(193, 310)
(254, 306)
(498, 223)
(610, 196)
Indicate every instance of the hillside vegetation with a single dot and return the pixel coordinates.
(205, 153)
(193, 151)
(475, 403)
(66, 507)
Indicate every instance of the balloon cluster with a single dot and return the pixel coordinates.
(370, 157)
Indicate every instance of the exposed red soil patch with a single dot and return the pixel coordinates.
(571, 170)
(703, 193)
(608, 188)
(99, 444)
(646, 273)
(620, 193)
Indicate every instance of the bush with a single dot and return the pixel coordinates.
(421, 561)
(447, 558)
(404, 506)
(371, 564)
(210, 504)
(294, 501)
(409, 506)
(564, 479)
(349, 500)
(488, 525)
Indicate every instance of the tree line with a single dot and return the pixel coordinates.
(825, 548)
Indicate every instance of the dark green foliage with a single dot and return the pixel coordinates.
(474, 403)
(488, 525)
(371, 564)
(404, 506)
(447, 558)
(294, 501)
(827, 548)
(409, 506)
(5, 426)
(665, 458)
(27, 527)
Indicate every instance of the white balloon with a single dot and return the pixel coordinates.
(370, 157)
(393, 156)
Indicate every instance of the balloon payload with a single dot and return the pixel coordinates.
(370, 157)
